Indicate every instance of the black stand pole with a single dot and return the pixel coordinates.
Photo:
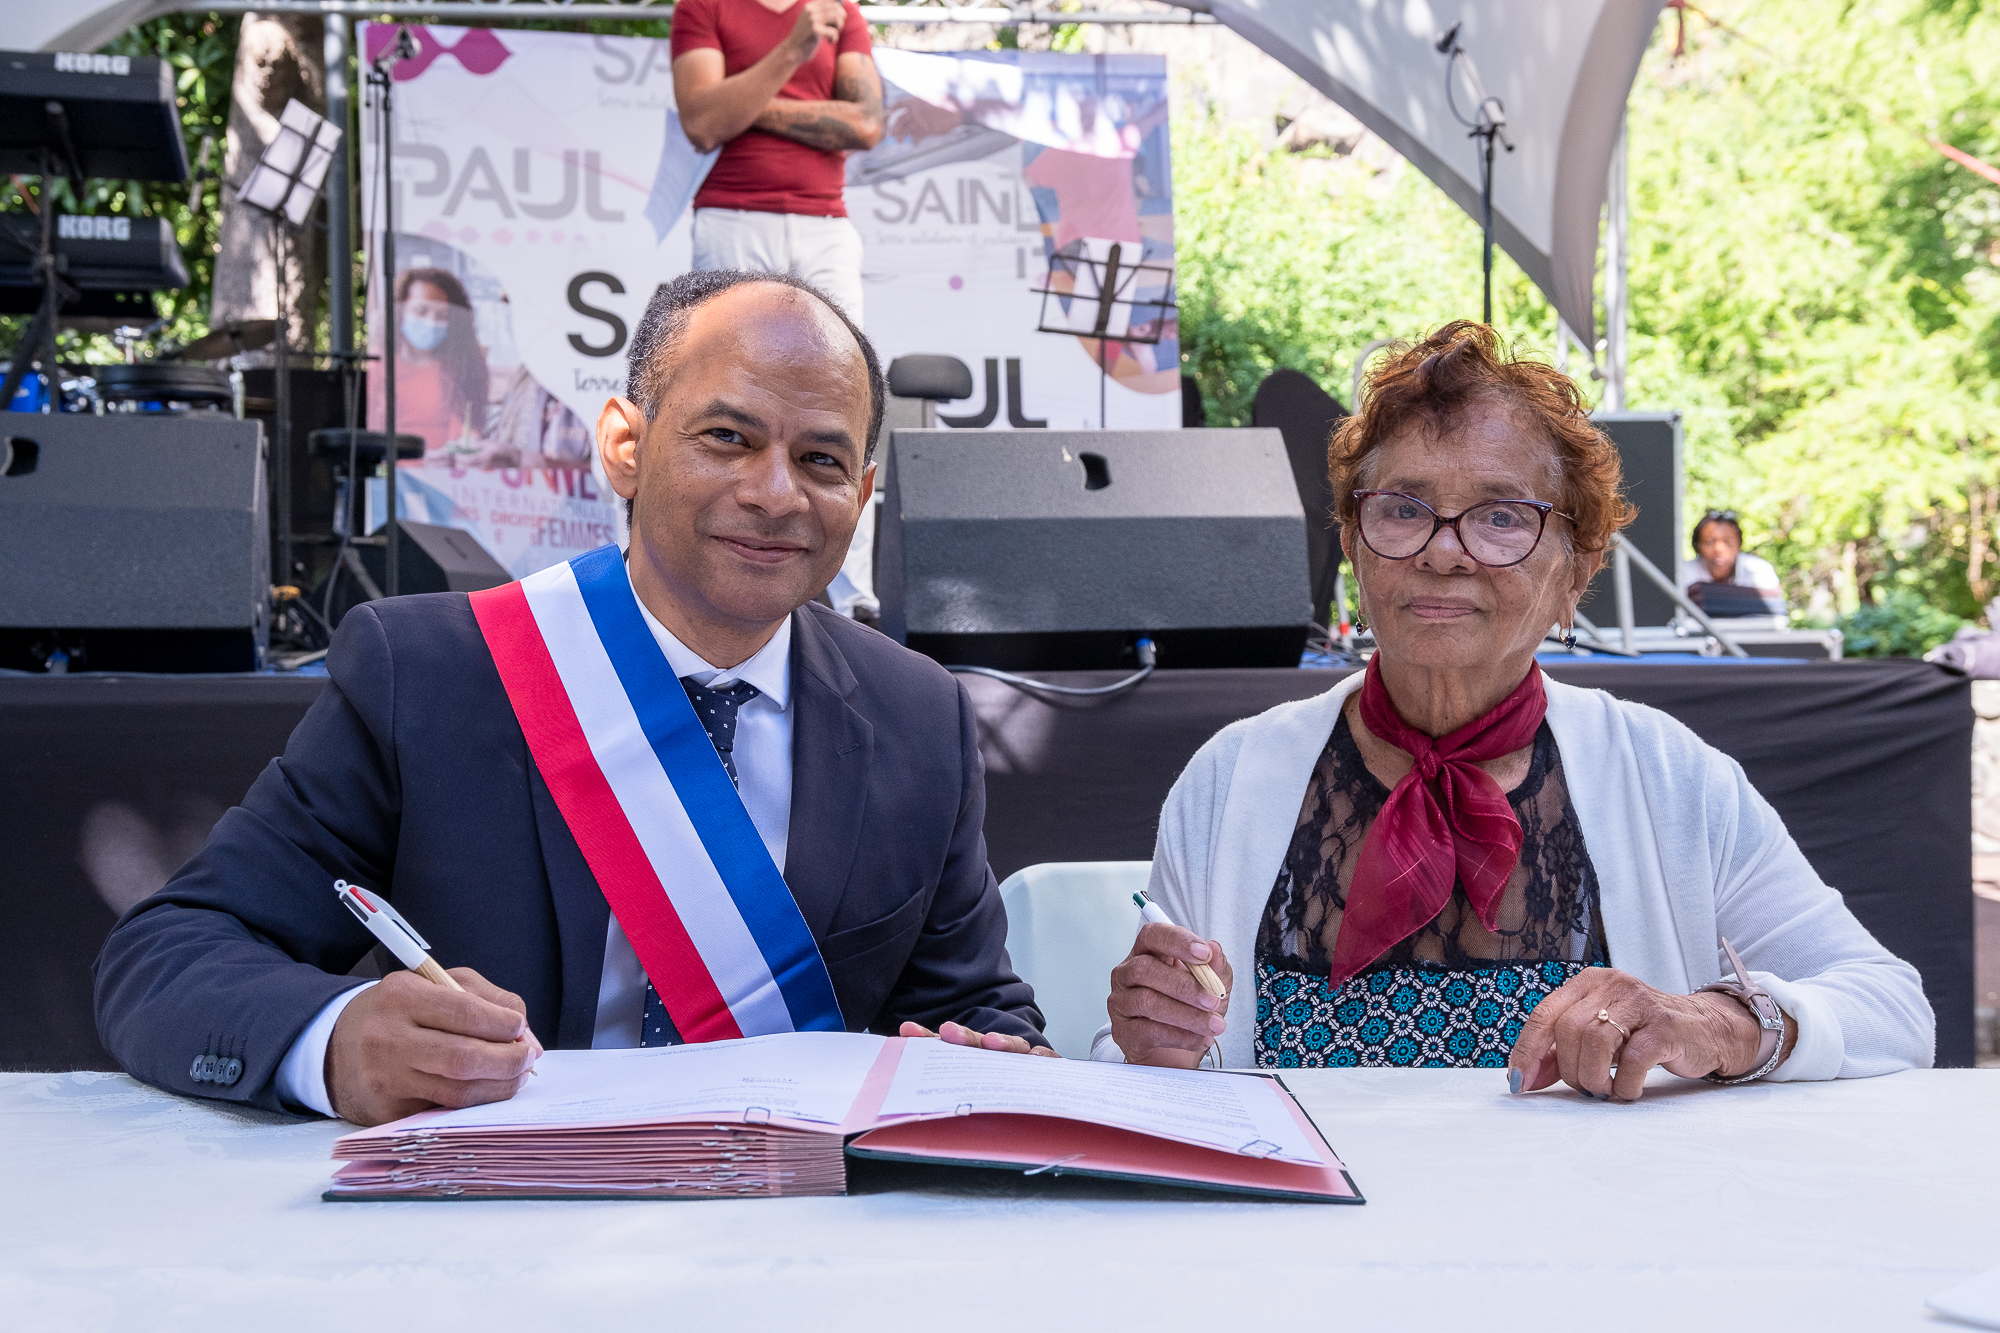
(51, 300)
(381, 77)
(1107, 293)
(1486, 220)
(281, 409)
(39, 338)
(1488, 122)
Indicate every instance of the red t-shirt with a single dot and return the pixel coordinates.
(768, 173)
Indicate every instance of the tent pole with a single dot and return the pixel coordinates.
(339, 205)
(1616, 295)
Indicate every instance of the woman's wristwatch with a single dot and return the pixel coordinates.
(1762, 1007)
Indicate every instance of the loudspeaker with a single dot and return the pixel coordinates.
(1649, 449)
(133, 542)
(1057, 549)
(434, 558)
(429, 558)
(1306, 416)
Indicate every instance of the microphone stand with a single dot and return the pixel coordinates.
(1489, 123)
(381, 78)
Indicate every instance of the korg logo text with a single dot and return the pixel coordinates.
(78, 62)
(78, 227)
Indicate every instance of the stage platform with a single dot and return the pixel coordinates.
(109, 782)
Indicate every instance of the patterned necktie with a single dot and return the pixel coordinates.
(717, 711)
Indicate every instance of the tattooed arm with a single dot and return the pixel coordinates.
(715, 109)
(852, 120)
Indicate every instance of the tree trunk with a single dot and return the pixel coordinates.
(278, 57)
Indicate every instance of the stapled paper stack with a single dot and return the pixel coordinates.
(770, 1116)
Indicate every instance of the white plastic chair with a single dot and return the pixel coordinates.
(1068, 924)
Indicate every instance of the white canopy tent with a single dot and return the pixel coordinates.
(74, 25)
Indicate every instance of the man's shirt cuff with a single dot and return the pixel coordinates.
(302, 1074)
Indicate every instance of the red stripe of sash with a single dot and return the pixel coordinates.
(596, 820)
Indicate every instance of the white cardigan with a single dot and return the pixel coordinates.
(1684, 847)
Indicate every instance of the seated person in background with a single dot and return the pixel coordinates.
(1448, 860)
(1720, 558)
(584, 788)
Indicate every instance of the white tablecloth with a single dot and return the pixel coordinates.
(1770, 1207)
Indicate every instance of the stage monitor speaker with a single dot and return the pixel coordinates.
(133, 542)
(1650, 450)
(435, 558)
(429, 558)
(1058, 549)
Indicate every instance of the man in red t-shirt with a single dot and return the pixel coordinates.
(787, 88)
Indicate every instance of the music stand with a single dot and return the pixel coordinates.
(1101, 294)
(284, 186)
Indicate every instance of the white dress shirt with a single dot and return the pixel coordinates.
(763, 757)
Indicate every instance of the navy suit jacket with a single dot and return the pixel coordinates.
(411, 775)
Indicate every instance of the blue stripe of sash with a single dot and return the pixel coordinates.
(713, 805)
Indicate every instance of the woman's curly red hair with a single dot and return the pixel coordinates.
(1428, 383)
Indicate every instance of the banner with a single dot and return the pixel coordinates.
(541, 191)
(542, 183)
(996, 165)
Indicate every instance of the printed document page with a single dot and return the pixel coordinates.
(812, 1077)
(1232, 1112)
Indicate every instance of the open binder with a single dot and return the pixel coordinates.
(774, 1116)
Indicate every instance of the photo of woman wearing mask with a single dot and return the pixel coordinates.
(441, 379)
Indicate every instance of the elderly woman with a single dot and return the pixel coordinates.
(1450, 860)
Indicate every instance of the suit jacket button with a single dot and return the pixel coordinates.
(194, 1070)
(232, 1069)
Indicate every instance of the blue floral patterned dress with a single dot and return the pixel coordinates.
(1452, 995)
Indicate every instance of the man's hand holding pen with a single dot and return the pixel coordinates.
(407, 1045)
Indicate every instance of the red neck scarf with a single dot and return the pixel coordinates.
(1445, 820)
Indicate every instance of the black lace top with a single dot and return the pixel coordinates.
(1454, 993)
(1548, 911)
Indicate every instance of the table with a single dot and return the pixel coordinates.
(1775, 1206)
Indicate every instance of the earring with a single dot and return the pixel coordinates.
(1569, 637)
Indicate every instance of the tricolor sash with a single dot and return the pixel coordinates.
(651, 807)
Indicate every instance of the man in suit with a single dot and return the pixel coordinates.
(743, 453)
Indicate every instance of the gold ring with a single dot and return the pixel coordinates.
(1604, 1016)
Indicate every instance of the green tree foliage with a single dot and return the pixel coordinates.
(1299, 260)
(1807, 253)
(1899, 623)
(1813, 283)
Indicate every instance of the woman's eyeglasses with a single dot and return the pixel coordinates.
(1496, 533)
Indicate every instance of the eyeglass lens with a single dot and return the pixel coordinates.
(1497, 532)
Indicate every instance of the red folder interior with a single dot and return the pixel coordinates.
(1029, 1141)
